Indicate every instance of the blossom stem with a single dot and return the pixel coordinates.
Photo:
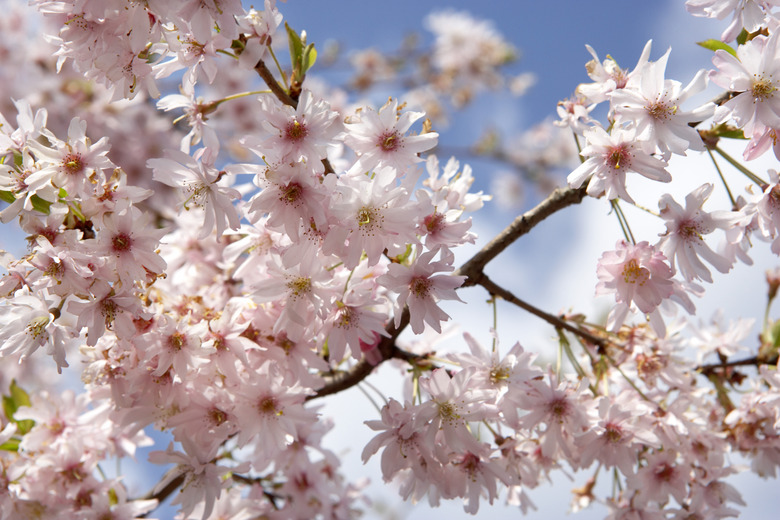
(579, 148)
(240, 95)
(564, 343)
(495, 321)
(279, 67)
(631, 382)
(750, 175)
(227, 53)
(723, 179)
(370, 399)
(646, 210)
(623, 221)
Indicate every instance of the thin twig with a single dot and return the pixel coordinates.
(753, 361)
(557, 322)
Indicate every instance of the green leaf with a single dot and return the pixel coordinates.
(296, 48)
(735, 133)
(309, 57)
(11, 403)
(742, 37)
(11, 444)
(715, 45)
(41, 205)
(7, 196)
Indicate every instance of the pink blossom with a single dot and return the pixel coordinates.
(379, 138)
(609, 157)
(419, 288)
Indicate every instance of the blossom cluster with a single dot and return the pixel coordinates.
(218, 324)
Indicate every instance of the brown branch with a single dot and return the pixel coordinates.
(388, 350)
(473, 270)
(753, 361)
(557, 322)
(166, 491)
(557, 200)
(270, 80)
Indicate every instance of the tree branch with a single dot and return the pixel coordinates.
(270, 80)
(555, 321)
(388, 350)
(473, 270)
(753, 361)
(166, 491)
(557, 200)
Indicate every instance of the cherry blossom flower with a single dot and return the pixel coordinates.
(653, 105)
(75, 165)
(28, 324)
(258, 27)
(749, 15)
(755, 74)
(379, 138)
(610, 157)
(683, 243)
(453, 404)
(203, 186)
(640, 276)
(608, 76)
(129, 240)
(202, 478)
(419, 288)
(293, 134)
(376, 215)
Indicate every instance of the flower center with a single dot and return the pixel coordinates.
(762, 89)
(434, 222)
(618, 157)
(299, 286)
(660, 110)
(632, 273)
(72, 163)
(613, 433)
(368, 218)
(37, 326)
(390, 142)
(291, 193)
(267, 406)
(420, 286)
(177, 341)
(121, 242)
(689, 231)
(346, 318)
(296, 131)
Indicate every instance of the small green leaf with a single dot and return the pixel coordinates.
(742, 37)
(7, 196)
(309, 57)
(41, 205)
(296, 48)
(715, 45)
(11, 403)
(11, 444)
(735, 133)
